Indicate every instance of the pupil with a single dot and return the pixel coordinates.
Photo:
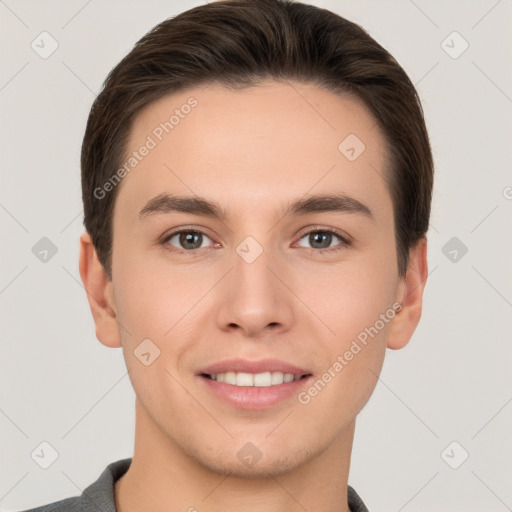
(190, 238)
(325, 236)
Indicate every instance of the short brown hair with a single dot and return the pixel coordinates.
(238, 43)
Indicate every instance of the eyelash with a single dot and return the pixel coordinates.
(344, 241)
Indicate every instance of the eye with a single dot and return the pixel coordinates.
(321, 240)
(186, 241)
(190, 241)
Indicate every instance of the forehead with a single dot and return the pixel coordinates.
(256, 146)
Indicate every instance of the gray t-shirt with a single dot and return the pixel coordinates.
(99, 496)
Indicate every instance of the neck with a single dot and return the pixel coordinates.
(163, 477)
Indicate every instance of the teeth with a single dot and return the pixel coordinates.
(262, 380)
(244, 379)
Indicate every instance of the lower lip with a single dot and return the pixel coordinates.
(253, 397)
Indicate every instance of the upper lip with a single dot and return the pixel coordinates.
(260, 366)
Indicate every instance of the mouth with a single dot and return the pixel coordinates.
(254, 385)
(259, 380)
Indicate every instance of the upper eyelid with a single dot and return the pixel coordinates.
(344, 238)
(178, 231)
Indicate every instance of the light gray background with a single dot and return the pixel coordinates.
(451, 383)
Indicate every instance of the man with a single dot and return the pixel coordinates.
(256, 179)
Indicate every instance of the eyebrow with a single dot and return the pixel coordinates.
(167, 203)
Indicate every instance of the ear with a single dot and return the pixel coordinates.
(99, 294)
(410, 295)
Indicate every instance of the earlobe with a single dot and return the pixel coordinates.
(410, 295)
(99, 294)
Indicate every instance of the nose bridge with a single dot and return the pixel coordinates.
(256, 297)
(254, 282)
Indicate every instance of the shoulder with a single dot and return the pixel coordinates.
(65, 505)
(99, 496)
(355, 503)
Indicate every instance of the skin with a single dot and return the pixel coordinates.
(253, 151)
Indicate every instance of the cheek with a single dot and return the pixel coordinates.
(352, 298)
(154, 307)
(356, 303)
(352, 361)
(151, 297)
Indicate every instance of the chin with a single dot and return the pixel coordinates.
(268, 466)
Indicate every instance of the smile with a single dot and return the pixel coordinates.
(262, 380)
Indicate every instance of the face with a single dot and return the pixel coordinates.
(239, 279)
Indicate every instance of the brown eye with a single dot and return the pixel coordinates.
(323, 240)
(187, 240)
(320, 240)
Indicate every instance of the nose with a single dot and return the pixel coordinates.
(254, 298)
